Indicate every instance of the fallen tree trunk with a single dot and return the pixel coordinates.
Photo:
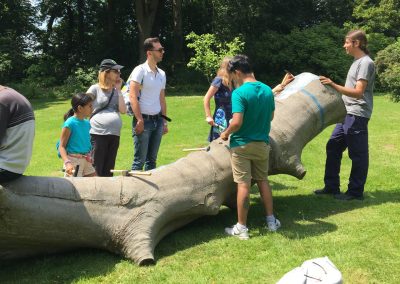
(130, 215)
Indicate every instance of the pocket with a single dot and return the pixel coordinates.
(356, 125)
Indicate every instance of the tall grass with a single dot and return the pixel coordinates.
(360, 237)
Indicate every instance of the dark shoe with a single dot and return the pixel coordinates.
(347, 197)
(325, 191)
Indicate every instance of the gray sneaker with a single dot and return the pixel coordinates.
(235, 231)
(273, 226)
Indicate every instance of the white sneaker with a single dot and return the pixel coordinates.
(240, 233)
(273, 226)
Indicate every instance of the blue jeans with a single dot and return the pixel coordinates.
(353, 135)
(147, 144)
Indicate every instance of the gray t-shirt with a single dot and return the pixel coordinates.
(362, 69)
(107, 121)
(17, 130)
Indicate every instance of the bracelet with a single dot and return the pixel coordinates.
(165, 123)
(67, 162)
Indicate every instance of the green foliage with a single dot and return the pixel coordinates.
(377, 42)
(5, 63)
(43, 71)
(209, 52)
(380, 19)
(380, 16)
(388, 69)
(16, 38)
(39, 85)
(317, 49)
(83, 77)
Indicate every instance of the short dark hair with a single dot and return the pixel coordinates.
(148, 43)
(240, 62)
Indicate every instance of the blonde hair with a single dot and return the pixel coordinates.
(104, 80)
(223, 72)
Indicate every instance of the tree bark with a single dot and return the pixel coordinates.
(130, 215)
(146, 11)
(110, 30)
(81, 25)
(178, 33)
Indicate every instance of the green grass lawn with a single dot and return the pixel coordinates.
(361, 238)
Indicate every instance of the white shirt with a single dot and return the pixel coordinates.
(151, 85)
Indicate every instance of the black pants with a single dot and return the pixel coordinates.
(353, 135)
(8, 176)
(105, 148)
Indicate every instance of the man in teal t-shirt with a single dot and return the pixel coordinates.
(253, 109)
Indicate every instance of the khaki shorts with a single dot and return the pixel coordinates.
(85, 168)
(250, 161)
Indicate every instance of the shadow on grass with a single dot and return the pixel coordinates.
(60, 268)
(301, 217)
(38, 104)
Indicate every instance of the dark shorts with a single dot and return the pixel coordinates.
(6, 176)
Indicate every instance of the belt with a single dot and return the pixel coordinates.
(79, 156)
(152, 117)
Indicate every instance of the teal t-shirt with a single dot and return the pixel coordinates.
(256, 101)
(79, 140)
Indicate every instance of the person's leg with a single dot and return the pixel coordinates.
(243, 202)
(273, 224)
(141, 143)
(259, 171)
(99, 146)
(112, 150)
(357, 139)
(154, 144)
(334, 152)
(259, 155)
(266, 196)
(241, 169)
(6, 176)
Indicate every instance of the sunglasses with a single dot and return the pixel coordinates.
(161, 49)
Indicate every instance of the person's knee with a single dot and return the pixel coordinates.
(334, 146)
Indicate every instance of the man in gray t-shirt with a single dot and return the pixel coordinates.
(352, 134)
(17, 130)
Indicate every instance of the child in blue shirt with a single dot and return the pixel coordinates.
(75, 143)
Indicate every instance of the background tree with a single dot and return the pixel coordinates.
(17, 36)
(47, 44)
(388, 67)
(209, 52)
(146, 11)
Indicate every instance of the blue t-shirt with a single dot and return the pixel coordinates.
(79, 140)
(256, 101)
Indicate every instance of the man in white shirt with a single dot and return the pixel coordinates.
(147, 98)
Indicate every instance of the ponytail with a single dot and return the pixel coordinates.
(80, 99)
(68, 114)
